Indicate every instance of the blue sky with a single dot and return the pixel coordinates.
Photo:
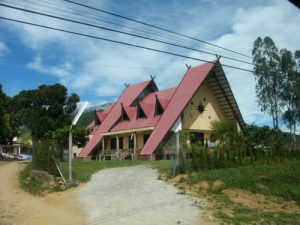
(97, 70)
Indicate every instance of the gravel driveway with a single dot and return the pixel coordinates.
(133, 195)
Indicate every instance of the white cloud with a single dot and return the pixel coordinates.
(281, 22)
(101, 68)
(3, 49)
(62, 71)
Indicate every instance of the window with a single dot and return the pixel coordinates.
(120, 142)
(146, 137)
(131, 142)
(140, 112)
(113, 143)
(158, 108)
(197, 138)
(124, 115)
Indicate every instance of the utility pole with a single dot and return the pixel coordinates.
(70, 139)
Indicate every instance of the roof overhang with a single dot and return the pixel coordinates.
(220, 86)
(128, 131)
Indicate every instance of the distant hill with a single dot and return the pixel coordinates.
(98, 108)
(89, 114)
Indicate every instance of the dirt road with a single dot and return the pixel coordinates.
(20, 208)
(122, 196)
(134, 196)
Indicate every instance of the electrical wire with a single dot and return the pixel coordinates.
(118, 31)
(157, 27)
(122, 43)
(86, 15)
(156, 33)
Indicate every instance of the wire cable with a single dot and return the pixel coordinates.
(123, 43)
(87, 17)
(154, 26)
(118, 31)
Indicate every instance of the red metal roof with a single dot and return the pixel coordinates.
(182, 95)
(101, 115)
(148, 105)
(127, 98)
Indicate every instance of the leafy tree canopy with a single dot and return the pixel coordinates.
(44, 109)
(277, 82)
(8, 126)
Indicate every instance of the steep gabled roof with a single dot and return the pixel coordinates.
(127, 98)
(173, 101)
(182, 95)
(193, 79)
(148, 106)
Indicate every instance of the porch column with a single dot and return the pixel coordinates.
(134, 146)
(117, 146)
(103, 148)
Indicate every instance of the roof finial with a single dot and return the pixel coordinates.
(152, 77)
(188, 66)
(218, 57)
(126, 85)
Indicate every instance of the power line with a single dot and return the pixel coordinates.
(104, 19)
(156, 32)
(121, 42)
(121, 32)
(154, 26)
(87, 15)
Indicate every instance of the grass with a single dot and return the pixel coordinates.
(280, 180)
(277, 179)
(34, 186)
(83, 170)
(244, 215)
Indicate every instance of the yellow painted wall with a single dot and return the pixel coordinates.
(125, 141)
(193, 120)
(140, 139)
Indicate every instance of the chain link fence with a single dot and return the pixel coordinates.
(47, 156)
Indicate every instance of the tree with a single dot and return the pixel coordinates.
(277, 75)
(8, 127)
(44, 109)
(266, 60)
(231, 141)
(3, 120)
(289, 94)
(61, 137)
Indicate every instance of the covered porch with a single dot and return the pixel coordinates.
(122, 145)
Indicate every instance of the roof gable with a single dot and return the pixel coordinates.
(182, 95)
(129, 95)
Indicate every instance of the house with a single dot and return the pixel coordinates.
(143, 117)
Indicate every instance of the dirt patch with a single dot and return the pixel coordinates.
(217, 184)
(181, 182)
(262, 202)
(20, 208)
